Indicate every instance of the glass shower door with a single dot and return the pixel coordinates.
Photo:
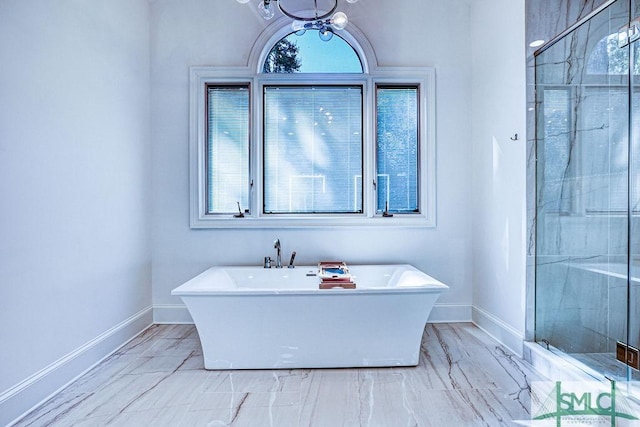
(582, 215)
(633, 338)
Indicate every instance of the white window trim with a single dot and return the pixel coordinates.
(423, 77)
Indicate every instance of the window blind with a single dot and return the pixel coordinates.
(312, 149)
(397, 149)
(227, 161)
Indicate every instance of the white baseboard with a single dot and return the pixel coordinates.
(171, 314)
(502, 332)
(22, 398)
(450, 313)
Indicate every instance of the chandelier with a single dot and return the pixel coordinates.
(324, 22)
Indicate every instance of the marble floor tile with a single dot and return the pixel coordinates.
(180, 388)
(169, 416)
(464, 378)
(254, 381)
(143, 341)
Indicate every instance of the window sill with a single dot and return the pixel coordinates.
(230, 222)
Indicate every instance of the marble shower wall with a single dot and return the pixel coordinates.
(582, 147)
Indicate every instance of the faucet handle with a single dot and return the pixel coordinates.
(293, 255)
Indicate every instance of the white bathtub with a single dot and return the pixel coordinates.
(256, 318)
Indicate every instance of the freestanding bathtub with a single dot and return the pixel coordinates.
(257, 318)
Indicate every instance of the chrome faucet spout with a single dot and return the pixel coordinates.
(276, 245)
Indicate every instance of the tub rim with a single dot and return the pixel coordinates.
(432, 285)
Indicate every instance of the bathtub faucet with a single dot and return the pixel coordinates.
(276, 245)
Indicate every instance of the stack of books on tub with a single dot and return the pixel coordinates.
(335, 274)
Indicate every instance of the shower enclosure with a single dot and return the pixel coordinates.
(587, 300)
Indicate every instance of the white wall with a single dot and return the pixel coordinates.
(80, 179)
(221, 33)
(74, 189)
(498, 200)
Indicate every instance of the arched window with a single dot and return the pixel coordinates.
(307, 53)
(314, 136)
